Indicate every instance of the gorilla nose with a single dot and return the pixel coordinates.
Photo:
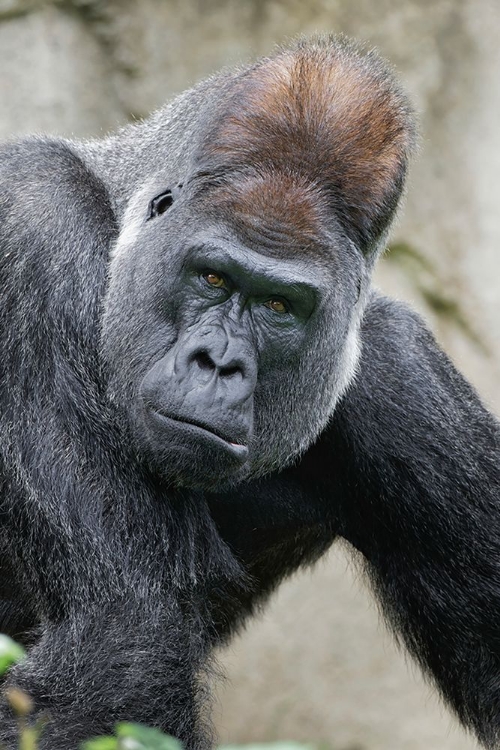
(227, 369)
(217, 362)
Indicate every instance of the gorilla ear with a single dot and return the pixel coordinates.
(163, 201)
(327, 112)
(160, 204)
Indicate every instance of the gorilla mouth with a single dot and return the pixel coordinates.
(237, 449)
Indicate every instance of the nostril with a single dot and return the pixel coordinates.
(228, 372)
(204, 361)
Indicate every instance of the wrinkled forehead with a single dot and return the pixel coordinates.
(282, 214)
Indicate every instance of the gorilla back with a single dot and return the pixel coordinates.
(188, 411)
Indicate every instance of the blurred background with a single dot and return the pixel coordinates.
(318, 665)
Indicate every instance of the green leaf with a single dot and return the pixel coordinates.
(139, 737)
(100, 743)
(10, 653)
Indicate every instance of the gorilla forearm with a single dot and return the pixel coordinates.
(415, 461)
(408, 471)
(126, 660)
(120, 634)
(115, 638)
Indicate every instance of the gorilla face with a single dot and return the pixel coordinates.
(228, 339)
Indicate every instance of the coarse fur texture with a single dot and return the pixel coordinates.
(199, 392)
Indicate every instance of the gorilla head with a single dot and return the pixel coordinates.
(232, 293)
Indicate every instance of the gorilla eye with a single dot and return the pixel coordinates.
(277, 305)
(160, 204)
(214, 280)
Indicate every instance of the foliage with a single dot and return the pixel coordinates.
(10, 653)
(133, 737)
(137, 737)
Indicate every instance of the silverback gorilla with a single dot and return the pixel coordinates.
(199, 391)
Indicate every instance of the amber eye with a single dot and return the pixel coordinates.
(214, 280)
(276, 305)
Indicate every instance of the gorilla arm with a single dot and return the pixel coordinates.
(412, 459)
(407, 471)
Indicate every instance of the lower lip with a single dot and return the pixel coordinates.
(238, 450)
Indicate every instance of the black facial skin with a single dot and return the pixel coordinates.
(236, 312)
(236, 319)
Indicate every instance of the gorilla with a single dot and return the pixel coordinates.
(200, 391)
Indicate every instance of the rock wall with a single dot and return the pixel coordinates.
(318, 665)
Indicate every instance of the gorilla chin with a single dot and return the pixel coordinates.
(195, 455)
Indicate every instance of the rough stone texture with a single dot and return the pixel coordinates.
(55, 76)
(10, 8)
(318, 665)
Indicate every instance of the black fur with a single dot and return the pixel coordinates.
(122, 565)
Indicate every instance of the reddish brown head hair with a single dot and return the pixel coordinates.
(323, 115)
